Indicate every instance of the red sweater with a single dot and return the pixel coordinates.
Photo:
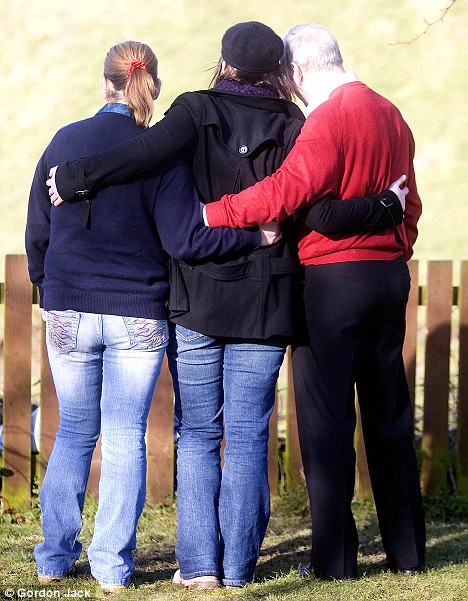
(354, 144)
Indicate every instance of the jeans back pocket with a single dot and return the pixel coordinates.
(147, 334)
(62, 329)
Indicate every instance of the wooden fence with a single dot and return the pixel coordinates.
(436, 346)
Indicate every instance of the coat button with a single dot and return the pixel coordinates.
(244, 149)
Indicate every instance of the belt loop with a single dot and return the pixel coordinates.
(261, 268)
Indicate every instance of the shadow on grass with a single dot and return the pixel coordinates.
(154, 565)
(447, 545)
(280, 559)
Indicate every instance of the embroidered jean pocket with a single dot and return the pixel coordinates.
(62, 329)
(147, 334)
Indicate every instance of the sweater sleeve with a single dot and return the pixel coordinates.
(178, 215)
(413, 206)
(330, 216)
(38, 226)
(130, 159)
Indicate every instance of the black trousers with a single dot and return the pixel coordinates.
(355, 316)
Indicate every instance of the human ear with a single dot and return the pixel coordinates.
(108, 89)
(298, 76)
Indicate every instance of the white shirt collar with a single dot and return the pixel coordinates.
(333, 80)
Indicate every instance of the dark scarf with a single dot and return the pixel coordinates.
(230, 85)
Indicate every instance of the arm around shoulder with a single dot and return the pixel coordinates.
(178, 216)
(132, 158)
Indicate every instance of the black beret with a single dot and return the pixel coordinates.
(252, 47)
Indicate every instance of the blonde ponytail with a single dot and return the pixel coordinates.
(132, 67)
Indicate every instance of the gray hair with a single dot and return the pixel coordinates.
(312, 47)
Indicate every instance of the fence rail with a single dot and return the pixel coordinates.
(436, 346)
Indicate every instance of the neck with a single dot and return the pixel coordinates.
(116, 97)
(318, 85)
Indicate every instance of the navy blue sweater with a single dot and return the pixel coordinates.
(107, 256)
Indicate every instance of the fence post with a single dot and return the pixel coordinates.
(410, 345)
(49, 415)
(160, 439)
(17, 384)
(436, 378)
(293, 459)
(363, 483)
(462, 422)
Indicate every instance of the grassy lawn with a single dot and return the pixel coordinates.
(286, 545)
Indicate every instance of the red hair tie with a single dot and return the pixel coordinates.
(135, 65)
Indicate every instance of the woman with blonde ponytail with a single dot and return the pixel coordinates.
(101, 270)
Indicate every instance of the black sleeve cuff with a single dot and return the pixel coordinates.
(70, 180)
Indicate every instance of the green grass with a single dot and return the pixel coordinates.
(51, 63)
(286, 545)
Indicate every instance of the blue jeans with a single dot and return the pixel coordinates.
(222, 512)
(105, 369)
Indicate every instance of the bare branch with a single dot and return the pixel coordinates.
(429, 24)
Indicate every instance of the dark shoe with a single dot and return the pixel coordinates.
(408, 571)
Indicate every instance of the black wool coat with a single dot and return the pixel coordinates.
(240, 140)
